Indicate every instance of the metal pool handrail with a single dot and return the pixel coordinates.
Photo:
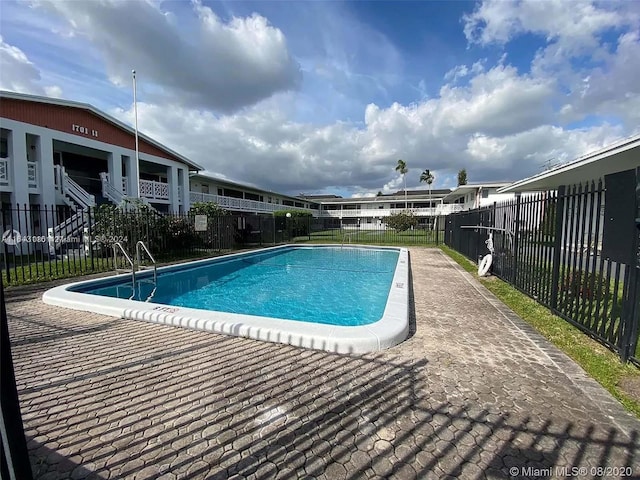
(348, 235)
(118, 246)
(140, 246)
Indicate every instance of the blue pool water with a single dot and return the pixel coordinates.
(331, 285)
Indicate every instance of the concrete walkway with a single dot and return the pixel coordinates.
(474, 393)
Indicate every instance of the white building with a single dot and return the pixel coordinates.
(476, 195)
(591, 167)
(371, 211)
(59, 152)
(237, 197)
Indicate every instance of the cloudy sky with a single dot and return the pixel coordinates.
(325, 97)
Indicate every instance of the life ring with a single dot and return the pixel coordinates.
(485, 265)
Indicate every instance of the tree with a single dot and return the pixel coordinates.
(402, 168)
(462, 177)
(379, 194)
(401, 221)
(428, 177)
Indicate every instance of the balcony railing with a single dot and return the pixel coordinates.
(444, 209)
(241, 204)
(380, 212)
(4, 172)
(154, 190)
(32, 174)
(447, 208)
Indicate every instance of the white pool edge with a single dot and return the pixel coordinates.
(390, 330)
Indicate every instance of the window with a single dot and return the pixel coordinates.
(4, 148)
(485, 193)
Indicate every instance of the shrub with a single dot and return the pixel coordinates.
(294, 213)
(585, 285)
(401, 221)
(209, 209)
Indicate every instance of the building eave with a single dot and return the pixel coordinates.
(587, 167)
(106, 117)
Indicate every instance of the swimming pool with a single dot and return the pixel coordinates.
(341, 299)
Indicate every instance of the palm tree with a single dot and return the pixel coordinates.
(462, 177)
(402, 168)
(428, 178)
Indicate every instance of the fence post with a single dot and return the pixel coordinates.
(557, 247)
(516, 239)
(631, 321)
(14, 453)
(91, 218)
(6, 247)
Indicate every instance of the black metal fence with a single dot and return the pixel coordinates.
(45, 243)
(335, 230)
(550, 246)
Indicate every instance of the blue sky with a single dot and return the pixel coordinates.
(327, 96)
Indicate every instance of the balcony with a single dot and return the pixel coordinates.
(241, 204)
(32, 175)
(153, 190)
(149, 189)
(379, 212)
(448, 208)
(443, 209)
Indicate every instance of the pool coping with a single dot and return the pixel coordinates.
(390, 330)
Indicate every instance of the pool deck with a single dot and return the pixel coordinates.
(473, 393)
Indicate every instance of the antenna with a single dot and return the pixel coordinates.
(550, 164)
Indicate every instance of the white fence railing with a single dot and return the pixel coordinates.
(241, 204)
(32, 174)
(444, 209)
(71, 189)
(447, 208)
(109, 191)
(154, 190)
(4, 172)
(381, 212)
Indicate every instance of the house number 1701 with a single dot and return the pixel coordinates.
(84, 130)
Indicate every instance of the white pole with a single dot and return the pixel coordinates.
(135, 114)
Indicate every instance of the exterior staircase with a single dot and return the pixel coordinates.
(119, 198)
(79, 200)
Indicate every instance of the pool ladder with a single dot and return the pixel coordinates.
(347, 236)
(141, 249)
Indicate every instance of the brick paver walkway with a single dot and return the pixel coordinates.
(474, 393)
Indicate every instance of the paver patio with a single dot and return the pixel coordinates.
(474, 393)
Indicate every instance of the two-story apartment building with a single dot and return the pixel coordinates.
(371, 211)
(60, 152)
(475, 195)
(238, 197)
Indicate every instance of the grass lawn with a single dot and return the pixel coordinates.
(33, 270)
(621, 380)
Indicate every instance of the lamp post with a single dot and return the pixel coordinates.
(289, 225)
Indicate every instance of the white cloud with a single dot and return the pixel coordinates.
(613, 87)
(526, 152)
(574, 24)
(19, 74)
(493, 120)
(210, 64)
